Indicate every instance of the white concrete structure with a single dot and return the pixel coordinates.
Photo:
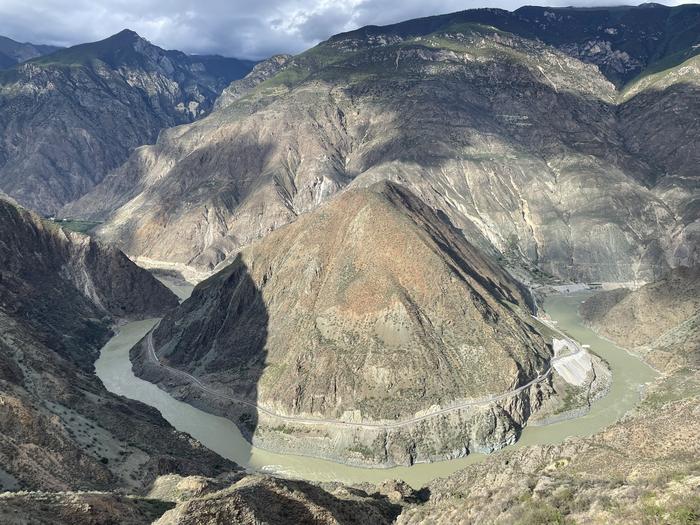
(571, 361)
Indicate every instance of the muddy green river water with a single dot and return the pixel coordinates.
(222, 436)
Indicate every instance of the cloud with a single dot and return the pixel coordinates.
(242, 28)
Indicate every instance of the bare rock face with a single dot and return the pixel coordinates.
(68, 118)
(532, 153)
(59, 428)
(258, 499)
(660, 320)
(369, 309)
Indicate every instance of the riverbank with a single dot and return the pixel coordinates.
(222, 436)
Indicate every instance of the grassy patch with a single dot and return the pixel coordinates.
(540, 513)
(681, 384)
(364, 450)
(76, 225)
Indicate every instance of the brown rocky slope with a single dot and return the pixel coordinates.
(369, 309)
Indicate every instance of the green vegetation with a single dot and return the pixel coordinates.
(76, 225)
(681, 384)
(284, 429)
(541, 513)
(658, 71)
(685, 511)
(152, 508)
(364, 450)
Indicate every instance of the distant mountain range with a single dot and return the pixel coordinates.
(622, 41)
(527, 146)
(12, 53)
(70, 116)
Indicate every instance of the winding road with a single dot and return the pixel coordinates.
(350, 424)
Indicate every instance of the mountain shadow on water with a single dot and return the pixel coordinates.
(202, 338)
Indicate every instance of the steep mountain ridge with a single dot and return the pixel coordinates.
(368, 309)
(59, 428)
(69, 117)
(450, 114)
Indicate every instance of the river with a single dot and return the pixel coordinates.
(222, 436)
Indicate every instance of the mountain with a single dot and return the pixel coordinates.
(261, 72)
(660, 320)
(641, 466)
(12, 52)
(368, 309)
(60, 292)
(622, 41)
(533, 153)
(68, 118)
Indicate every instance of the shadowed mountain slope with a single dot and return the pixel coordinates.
(69, 117)
(59, 428)
(12, 52)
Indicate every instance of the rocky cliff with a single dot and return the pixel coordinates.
(532, 152)
(59, 428)
(370, 309)
(68, 118)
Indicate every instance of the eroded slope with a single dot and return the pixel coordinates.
(525, 148)
(59, 428)
(370, 308)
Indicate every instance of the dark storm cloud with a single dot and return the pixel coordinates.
(244, 28)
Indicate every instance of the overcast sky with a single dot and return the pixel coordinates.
(241, 28)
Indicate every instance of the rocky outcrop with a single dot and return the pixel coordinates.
(68, 118)
(248, 500)
(530, 152)
(60, 292)
(659, 320)
(366, 312)
(257, 499)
